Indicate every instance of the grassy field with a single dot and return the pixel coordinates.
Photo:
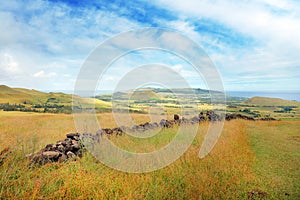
(248, 156)
(277, 160)
(144, 101)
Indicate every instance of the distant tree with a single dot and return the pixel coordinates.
(287, 109)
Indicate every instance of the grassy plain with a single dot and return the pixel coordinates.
(145, 100)
(248, 156)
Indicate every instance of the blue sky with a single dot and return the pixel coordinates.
(255, 44)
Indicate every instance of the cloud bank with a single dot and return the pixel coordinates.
(255, 45)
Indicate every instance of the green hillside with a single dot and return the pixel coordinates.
(266, 101)
(27, 96)
(37, 101)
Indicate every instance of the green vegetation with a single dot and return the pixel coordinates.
(192, 99)
(18, 99)
(258, 107)
(187, 102)
(276, 146)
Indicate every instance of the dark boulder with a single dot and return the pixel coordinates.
(108, 131)
(201, 116)
(73, 136)
(50, 154)
(117, 131)
(268, 119)
(70, 154)
(70, 147)
(195, 120)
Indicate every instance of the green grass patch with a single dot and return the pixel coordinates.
(276, 146)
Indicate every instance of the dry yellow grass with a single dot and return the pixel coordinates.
(226, 173)
(21, 128)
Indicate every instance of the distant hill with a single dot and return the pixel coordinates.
(161, 93)
(52, 101)
(144, 94)
(27, 96)
(266, 101)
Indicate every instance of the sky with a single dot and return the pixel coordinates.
(254, 45)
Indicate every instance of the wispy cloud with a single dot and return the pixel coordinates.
(256, 36)
(42, 74)
(254, 44)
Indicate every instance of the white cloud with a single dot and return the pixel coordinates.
(249, 17)
(273, 28)
(51, 40)
(43, 74)
(177, 68)
(9, 64)
(47, 36)
(255, 19)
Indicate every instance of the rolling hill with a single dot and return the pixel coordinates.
(27, 96)
(266, 101)
(33, 99)
(144, 94)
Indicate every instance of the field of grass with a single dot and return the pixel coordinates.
(248, 156)
(276, 147)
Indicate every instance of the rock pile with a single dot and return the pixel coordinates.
(69, 148)
(229, 117)
(72, 146)
(268, 119)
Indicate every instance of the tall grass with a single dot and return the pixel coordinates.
(230, 171)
